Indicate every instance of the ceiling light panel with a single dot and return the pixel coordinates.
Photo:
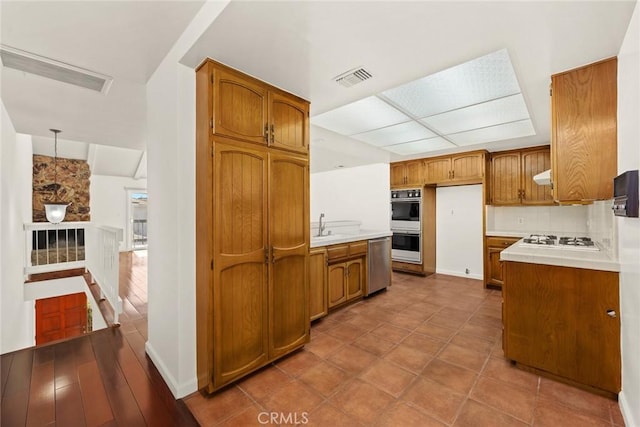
(504, 110)
(360, 116)
(479, 80)
(494, 133)
(396, 134)
(422, 146)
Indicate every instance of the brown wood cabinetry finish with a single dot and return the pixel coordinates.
(584, 132)
(318, 262)
(512, 175)
(346, 272)
(493, 271)
(437, 170)
(252, 216)
(564, 321)
(406, 174)
(467, 166)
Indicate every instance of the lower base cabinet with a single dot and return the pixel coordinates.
(318, 283)
(493, 270)
(345, 282)
(564, 321)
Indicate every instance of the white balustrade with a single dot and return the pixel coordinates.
(70, 245)
(103, 263)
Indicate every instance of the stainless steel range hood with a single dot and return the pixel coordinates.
(543, 178)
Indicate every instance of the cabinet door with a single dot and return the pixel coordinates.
(437, 170)
(289, 253)
(556, 320)
(534, 162)
(467, 166)
(505, 179)
(355, 278)
(413, 171)
(584, 108)
(240, 341)
(317, 283)
(337, 289)
(239, 107)
(398, 174)
(495, 266)
(288, 128)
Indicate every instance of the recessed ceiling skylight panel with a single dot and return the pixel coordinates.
(360, 116)
(476, 102)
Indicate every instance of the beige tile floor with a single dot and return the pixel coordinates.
(426, 352)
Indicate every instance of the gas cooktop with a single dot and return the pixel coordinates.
(552, 241)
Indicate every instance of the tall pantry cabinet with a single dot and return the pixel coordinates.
(252, 220)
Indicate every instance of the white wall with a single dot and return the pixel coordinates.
(109, 202)
(359, 193)
(171, 187)
(629, 228)
(459, 219)
(17, 328)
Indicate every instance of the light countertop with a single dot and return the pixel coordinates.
(333, 239)
(560, 256)
(500, 233)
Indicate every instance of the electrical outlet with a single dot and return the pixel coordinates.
(466, 271)
(520, 220)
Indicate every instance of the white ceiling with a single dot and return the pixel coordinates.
(299, 46)
(302, 46)
(122, 39)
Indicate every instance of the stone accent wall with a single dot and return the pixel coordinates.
(73, 187)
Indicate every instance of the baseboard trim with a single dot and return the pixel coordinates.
(625, 408)
(460, 274)
(178, 390)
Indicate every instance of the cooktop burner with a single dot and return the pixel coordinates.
(541, 239)
(576, 241)
(551, 241)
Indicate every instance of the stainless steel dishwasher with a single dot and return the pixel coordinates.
(379, 267)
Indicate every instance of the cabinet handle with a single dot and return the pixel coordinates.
(266, 255)
(523, 195)
(612, 314)
(273, 134)
(266, 133)
(453, 174)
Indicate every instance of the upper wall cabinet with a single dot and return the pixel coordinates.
(248, 109)
(464, 168)
(512, 175)
(407, 174)
(584, 132)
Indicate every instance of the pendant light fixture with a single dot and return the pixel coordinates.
(55, 210)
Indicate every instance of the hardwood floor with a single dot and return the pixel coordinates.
(101, 379)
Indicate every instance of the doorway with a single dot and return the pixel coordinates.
(137, 212)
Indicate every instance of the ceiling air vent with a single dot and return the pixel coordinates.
(52, 69)
(353, 77)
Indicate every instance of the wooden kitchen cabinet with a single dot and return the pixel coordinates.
(318, 283)
(252, 213)
(406, 174)
(493, 270)
(458, 169)
(247, 109)
(563, 321)
(584, 132)
(346, 272)
(512, 175)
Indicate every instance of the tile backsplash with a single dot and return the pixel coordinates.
(595, 221)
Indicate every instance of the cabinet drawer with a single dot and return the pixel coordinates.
(337, 251)
(501, 242)
(358, 248)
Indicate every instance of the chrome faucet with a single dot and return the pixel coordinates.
(321, 226)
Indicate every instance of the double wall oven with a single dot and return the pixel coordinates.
(406, 225)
